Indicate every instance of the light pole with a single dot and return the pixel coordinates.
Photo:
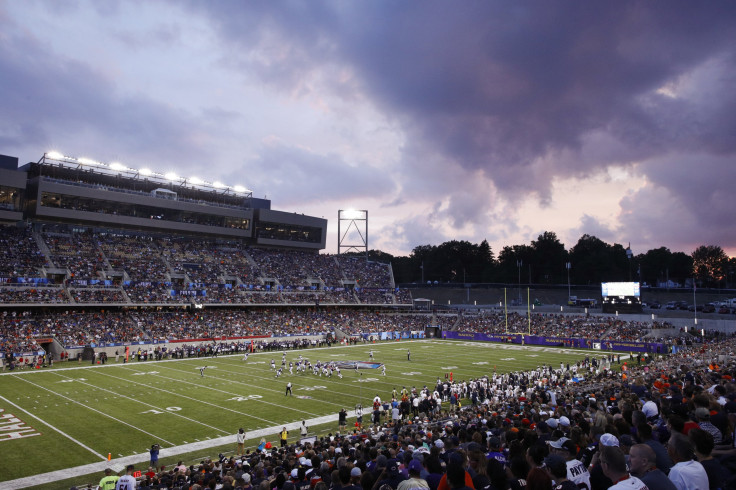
(567, 266)
(519, 263)
(629, 254)
(356, 231)
(695, 305)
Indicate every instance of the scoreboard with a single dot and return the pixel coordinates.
(621, 297)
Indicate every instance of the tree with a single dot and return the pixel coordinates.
(655, 265)
(508, 260)
(710, 264)
(486, 261)
(549, 259)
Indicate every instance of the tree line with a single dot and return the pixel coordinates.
(546, 261)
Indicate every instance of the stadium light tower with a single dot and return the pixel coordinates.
(356, 220)
(519, 263)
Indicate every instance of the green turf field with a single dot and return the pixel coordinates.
(76, 414)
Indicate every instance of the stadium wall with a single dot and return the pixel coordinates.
(134, 346)
(576, 343)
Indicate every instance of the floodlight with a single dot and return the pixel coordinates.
(353, 214)
(55, 155)
(145, 171)
(239, 188)
(196, 181)
(171, 176)
(118, 166)
(218, 185)
(87, 161)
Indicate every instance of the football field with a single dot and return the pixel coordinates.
(74, 414)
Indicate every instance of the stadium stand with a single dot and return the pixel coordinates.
(102, 257)
(507, 429)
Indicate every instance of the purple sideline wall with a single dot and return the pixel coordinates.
(605, 345)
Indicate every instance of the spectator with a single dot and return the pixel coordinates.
(642, 462)
(613, 462)
(686, 474)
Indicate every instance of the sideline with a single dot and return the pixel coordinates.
(68, 365)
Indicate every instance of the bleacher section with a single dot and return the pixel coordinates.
(123, 267)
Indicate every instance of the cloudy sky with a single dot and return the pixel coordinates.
(467, 120)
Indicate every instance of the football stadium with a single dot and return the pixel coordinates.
(186, 333)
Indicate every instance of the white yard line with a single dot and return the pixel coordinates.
(99, 412)
(119, 464)
(79, 443)
(145, 404)
(201, 402)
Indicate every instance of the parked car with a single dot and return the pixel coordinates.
(672, 305)
(655, 305)
(724, 310)
(709, 308)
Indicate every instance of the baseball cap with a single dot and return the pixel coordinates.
(415, 465)
(702, 412)
(609, 440)
(474, 446)
(564, 421)
(392, 466)
(555, 460)
(355, 471)
(439, 443)
(455, 458)
(552, 423)
(558, 443)
(570, 447)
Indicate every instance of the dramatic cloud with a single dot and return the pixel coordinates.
(482, 120)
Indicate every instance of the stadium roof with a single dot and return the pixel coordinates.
(57, 159)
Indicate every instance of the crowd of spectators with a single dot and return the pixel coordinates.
(559, 325)
(149, 268)
(75, 327)
(18, 332)
(187, 258)
(375, 296)
(183, 323)
(19, 253)
(98, 295)
(367, 274)
(78, 253)
(666, 424)
(139, 256)
(38, 294)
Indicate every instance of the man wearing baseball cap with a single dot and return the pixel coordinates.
(415, 481)
(576, 470)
